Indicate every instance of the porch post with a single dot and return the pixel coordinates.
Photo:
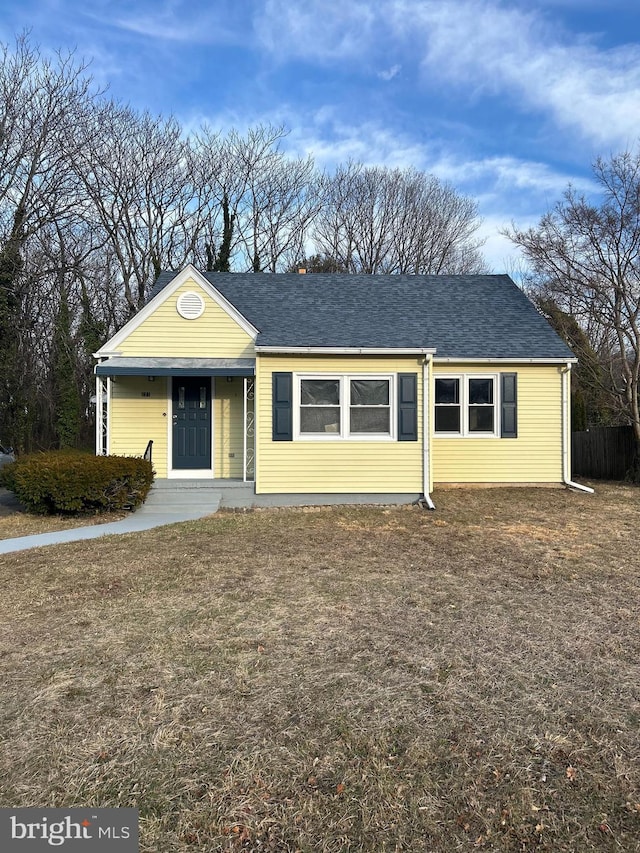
(244, 431)
(103, 393)
(248, 435)
(98, 416)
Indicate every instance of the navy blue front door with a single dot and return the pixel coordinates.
(191, 422)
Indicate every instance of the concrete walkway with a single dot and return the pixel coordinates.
(172, 501)
(178, 502)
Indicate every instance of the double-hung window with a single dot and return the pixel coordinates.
(319, 406)
(369, 406)
(466, 405)
(345, 406)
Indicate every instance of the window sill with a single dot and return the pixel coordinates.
(345, 438)
(482, 435)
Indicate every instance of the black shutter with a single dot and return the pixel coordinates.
(509, 404)
(282, 419)
(407, 407)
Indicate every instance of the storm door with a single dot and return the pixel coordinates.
(191, 423)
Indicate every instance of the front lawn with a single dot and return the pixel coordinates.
(338, 679)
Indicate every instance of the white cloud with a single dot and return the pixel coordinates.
(390, 73)
(191, 32)
(501, 255)
(331, 140)
(583, 5)
(318, 30)
(327, 30)
(509, 174)
(169, 21)
(516, 51)
(485, 46)
(165, 30)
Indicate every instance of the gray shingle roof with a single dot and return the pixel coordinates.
(462, 316)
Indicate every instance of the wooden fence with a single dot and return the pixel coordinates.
(604, 453)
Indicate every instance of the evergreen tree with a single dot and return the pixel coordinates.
(590, 403)
(12, 404)
(67, 403)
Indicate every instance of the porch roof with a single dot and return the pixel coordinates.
(124, 366)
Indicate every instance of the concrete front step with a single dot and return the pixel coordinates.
(169, 497)
(177, 508)
(164, 498)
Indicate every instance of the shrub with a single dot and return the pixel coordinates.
(72, 482)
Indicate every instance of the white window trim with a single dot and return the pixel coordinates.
(344, 434)
(464, 405)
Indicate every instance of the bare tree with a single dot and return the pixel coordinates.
(96, 199)
(219, 182)
(43, 106)
(259, 197)
(588, 252)
(380, 220)
(137, 175)
(284, 202)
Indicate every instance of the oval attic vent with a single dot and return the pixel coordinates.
(190, 305)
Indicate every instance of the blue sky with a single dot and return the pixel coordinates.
(509, 101)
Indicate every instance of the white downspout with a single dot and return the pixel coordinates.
(566, 433)
(426, 434)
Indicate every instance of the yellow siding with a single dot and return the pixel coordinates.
(340, 466)
(228, 409)
(350, 466)
(165, 333)
(134, 418)
(535, 456)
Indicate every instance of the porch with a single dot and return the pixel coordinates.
(194, 417)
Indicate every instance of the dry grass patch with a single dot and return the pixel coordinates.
(16, 522)
(338, 680)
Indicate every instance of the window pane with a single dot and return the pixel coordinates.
(370, 420)
(448, 418)
(320, 392)
(369, 392)
(480, 418)
(321, 419)
(480, 391)
(447, 391)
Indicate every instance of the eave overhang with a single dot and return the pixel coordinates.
(126, 366)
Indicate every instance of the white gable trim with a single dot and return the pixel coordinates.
(189, 272)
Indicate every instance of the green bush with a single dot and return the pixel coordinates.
(67, 481)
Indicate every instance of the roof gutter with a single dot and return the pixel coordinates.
(269, 350)
(489, 360)
(566, 435)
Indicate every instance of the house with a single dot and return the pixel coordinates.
(334, 384)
